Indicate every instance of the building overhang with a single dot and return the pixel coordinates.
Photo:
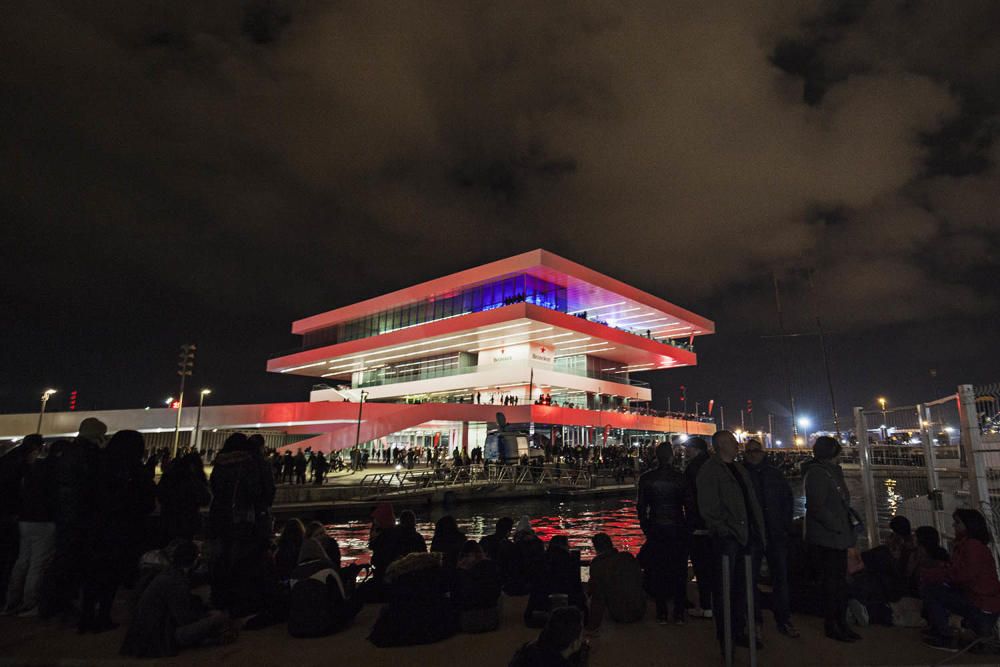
(586, 289)
(498, 328)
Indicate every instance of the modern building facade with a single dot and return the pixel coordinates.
(533, 331)
(552, 344)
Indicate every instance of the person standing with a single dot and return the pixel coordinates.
(240, 522)
(36, 527)
(660, 504)
(829, 532)
(300, 467)
(699, 542)
(777, 504)
(126, 496)
(736, 526)
(76, 472)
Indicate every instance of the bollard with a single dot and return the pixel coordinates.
(751, 616)
(727, 618)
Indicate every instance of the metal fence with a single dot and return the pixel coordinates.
(923, 461)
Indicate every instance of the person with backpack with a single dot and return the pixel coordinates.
(320, 602)
(240, 523)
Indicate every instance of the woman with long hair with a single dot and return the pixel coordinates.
(967, 586)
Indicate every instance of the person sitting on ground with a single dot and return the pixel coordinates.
(390, 542)
(286, 552)
(497, 545)
(930, 553)
(169, 618)
(560, 644)
(967, 586)
(615, 585)
(448, 540)
(319, 603)
(317, 531)
(558, 576)
(893, 563)
(419, 610)
(477, 590)
(526, 556)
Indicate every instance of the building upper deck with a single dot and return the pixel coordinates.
(537, 277)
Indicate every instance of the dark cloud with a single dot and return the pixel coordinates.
(267, 159)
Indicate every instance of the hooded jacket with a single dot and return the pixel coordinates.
(828, 521)
(317, 602)
(242, 491)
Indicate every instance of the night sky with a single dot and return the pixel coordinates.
(208, 172)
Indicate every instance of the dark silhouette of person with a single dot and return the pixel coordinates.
(662, 496)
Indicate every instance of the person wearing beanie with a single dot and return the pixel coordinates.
(830, 532)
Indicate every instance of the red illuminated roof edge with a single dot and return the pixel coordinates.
(485, 272)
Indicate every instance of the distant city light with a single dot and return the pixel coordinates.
(805, 422)
(778, 443)
(949, 429)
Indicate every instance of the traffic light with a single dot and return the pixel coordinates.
(72, 400)
(185, 363)
(749, 407)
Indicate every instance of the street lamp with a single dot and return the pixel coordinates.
(357, 435)
(805, 422)
(885, 428)
(196, 434)
(41, 412)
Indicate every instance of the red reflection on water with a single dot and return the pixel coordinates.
(578, 524)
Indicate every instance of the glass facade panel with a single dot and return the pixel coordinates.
(503, 292)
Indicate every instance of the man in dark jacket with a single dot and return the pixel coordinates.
(662, 496)
(699, 542)
(76, 473)
(736, 525)
(829, 532)
(777, 504)
(240, 521)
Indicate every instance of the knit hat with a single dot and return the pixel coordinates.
(524, 524)
(825, 448)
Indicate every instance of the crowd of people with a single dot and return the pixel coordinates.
(92, 521)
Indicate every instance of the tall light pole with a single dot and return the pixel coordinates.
(185, 365)
(885, 427)
(196, 433)
(357, 435)
(41, 412)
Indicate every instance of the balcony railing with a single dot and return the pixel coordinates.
(448, 372)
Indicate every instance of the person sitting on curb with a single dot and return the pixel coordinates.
(560, 643)
(967, 586)
(169, 618)
(615, 585)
